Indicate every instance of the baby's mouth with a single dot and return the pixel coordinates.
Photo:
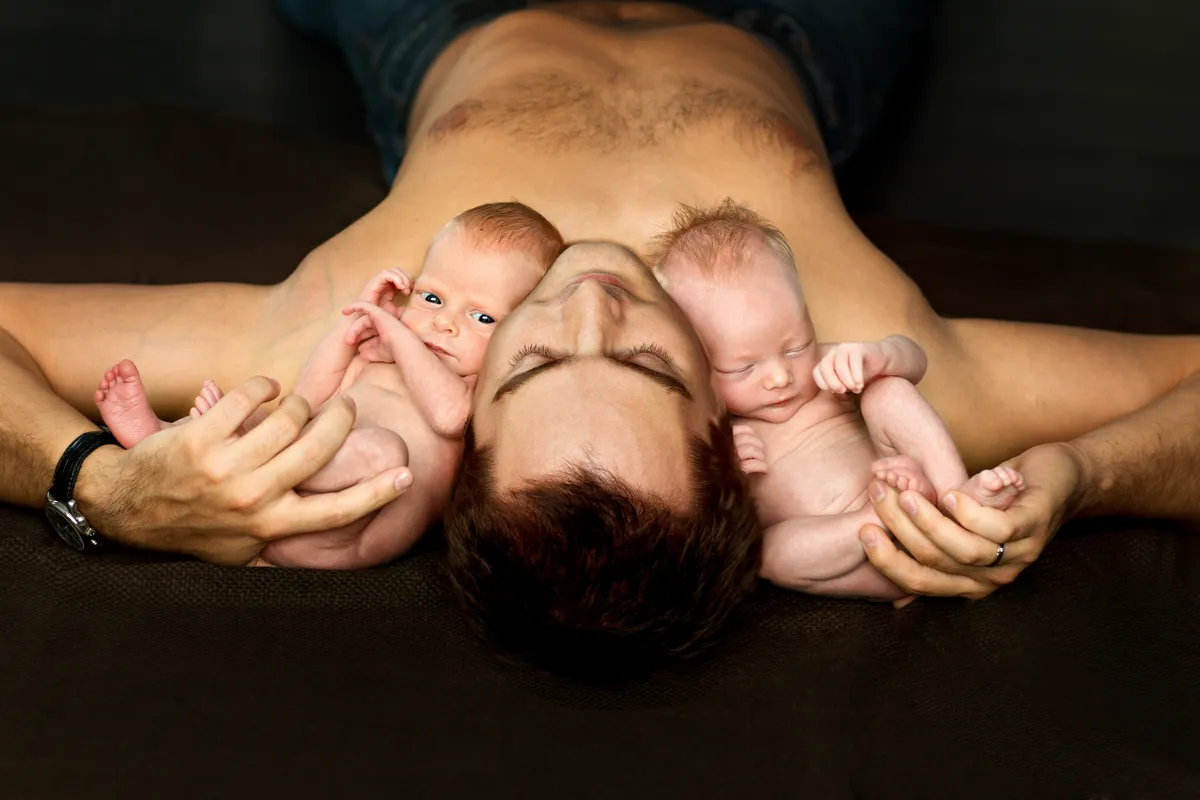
(441, 351)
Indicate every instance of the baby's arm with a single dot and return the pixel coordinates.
(823, 555)
(443, 398)
(850, 366)
(324, 370)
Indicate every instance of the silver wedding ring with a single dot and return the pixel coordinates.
(999, 555)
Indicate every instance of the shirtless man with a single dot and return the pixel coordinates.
(802, 434)
(410, 372)
(603, 117)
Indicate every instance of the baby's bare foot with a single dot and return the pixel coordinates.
(903, 472)
(995, 488)
(124, 406)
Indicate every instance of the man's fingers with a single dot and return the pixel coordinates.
(963, 546)
(319, 512)
(908, 531)
(945, 537)
(912, 577)
(271, 436)
(313, 450)
(230, 413)
(999, 527)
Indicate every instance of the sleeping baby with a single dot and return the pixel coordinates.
(410, 370)
(813, 422)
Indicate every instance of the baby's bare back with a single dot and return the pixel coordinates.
(818, 462)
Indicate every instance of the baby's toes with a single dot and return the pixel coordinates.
(991, 480)
(1007, 475)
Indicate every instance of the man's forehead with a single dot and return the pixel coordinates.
(610, 421)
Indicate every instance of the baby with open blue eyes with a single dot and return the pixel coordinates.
(410, 370)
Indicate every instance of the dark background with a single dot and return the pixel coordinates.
(176, 141)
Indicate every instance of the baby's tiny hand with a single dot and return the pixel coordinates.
(373, 349)
(382, 289)
(750, 450)
(363, 328)
(849, 367)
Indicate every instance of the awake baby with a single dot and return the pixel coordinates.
(410, 370)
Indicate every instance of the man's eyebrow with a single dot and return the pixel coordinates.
(517, 381)
(664, 379)
(667, 381)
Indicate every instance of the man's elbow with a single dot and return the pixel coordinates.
(14, 352)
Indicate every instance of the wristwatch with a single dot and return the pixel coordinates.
(70, 525)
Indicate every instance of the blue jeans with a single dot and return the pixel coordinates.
(847, 53)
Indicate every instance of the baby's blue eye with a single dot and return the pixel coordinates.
(430, 297)
(481, 317)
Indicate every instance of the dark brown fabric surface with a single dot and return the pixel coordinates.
(141, 675)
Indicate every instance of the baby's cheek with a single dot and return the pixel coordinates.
(733, 395)
(470, 358)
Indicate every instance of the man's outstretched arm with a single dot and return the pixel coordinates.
(195, 488)
(56, 342)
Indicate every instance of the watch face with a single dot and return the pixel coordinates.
(65, 528)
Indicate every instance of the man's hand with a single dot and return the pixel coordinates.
(950, 556)
(382, 289)
(749, 448)
(201, 489)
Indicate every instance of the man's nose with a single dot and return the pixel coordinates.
(592, 312)
(444, 323)
(778, 376)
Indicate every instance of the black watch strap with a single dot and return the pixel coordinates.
(67, 471)
(61, 511)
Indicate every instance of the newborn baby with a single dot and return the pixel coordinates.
(809, 443)
(411, 379)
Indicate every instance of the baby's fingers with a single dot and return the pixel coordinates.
(362, 328)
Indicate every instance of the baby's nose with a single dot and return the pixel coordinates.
(778, 376)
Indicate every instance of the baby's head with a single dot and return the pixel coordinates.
(734, 275)
(477, 270)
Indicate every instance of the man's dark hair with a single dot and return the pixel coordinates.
(583, 573)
